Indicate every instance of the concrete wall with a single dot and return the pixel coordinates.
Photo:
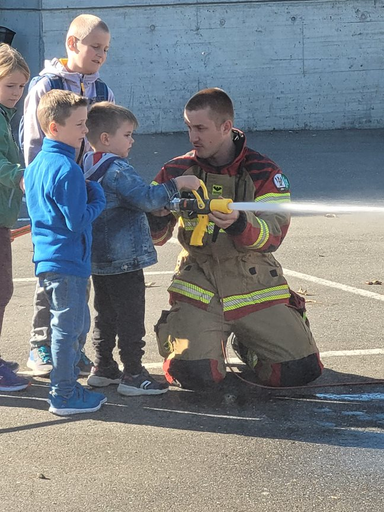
(287, 64)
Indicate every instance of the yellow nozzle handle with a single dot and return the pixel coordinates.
(200, 202)
(199, 231)
(220, 205)
(217, 205)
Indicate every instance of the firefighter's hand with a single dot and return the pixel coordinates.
(224, 220)
(187, 182)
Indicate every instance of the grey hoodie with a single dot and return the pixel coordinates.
(33, 136)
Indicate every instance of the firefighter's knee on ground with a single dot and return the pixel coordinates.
(290, 373)
(196, 364)
(194, 374)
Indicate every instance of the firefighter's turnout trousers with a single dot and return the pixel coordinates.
(272, 334)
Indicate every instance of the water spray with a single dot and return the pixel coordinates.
(305, 207)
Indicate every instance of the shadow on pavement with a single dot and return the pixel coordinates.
(349, 415)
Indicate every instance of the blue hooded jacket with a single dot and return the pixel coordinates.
(62, 207)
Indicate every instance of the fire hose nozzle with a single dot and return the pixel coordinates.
(201, 206)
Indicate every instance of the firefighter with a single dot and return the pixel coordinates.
(231, 285)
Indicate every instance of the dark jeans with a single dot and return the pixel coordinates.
(120, 308)
(6, 284)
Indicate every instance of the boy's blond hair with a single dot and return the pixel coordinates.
(84, 24)
(56, 106)
(11, 60)
(106, 117)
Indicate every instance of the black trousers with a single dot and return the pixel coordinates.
(6, 283)
(120, 309)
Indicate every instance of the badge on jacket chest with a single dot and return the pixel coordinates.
(217, 190)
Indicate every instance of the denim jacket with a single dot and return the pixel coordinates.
(121, 236)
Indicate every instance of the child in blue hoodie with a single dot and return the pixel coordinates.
(122, 247)
(14, 74)
(62, 207)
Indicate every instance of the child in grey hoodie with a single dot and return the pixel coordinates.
(87, 44)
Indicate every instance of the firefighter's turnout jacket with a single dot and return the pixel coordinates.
(230, 281)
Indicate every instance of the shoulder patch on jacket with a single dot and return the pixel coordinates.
(281, 182)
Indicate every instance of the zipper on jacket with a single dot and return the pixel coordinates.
(81, 152)
(11, 197)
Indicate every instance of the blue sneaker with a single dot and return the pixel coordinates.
(12, 365)
(81, 401)
(40, 361)
(9, 381)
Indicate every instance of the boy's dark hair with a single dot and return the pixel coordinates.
(57, 105)
(217, 100)
(106, 117)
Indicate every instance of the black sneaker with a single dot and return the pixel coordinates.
(104, 376)
(84, 364)
(142, 384)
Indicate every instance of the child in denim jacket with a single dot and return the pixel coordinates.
(122, 247)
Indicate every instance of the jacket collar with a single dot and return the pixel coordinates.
(55, 146)
(231, 168)
(95, 165)
(8, 113)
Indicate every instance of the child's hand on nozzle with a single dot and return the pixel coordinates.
(187, 182)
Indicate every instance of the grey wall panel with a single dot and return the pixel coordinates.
(287, 65)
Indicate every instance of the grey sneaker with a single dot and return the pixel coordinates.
(40, 361)
(142, 384)
(85, 364)
(104, 376)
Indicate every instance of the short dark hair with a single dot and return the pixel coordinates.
(106, 117)
(57, 105)
(217, 100)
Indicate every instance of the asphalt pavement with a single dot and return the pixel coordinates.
(241, 448)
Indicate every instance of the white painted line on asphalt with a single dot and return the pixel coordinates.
(357, 352)
(159, 273)
(24, 279)
(23, 397)
(364, 397)
(333, 284)
(221, 416)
